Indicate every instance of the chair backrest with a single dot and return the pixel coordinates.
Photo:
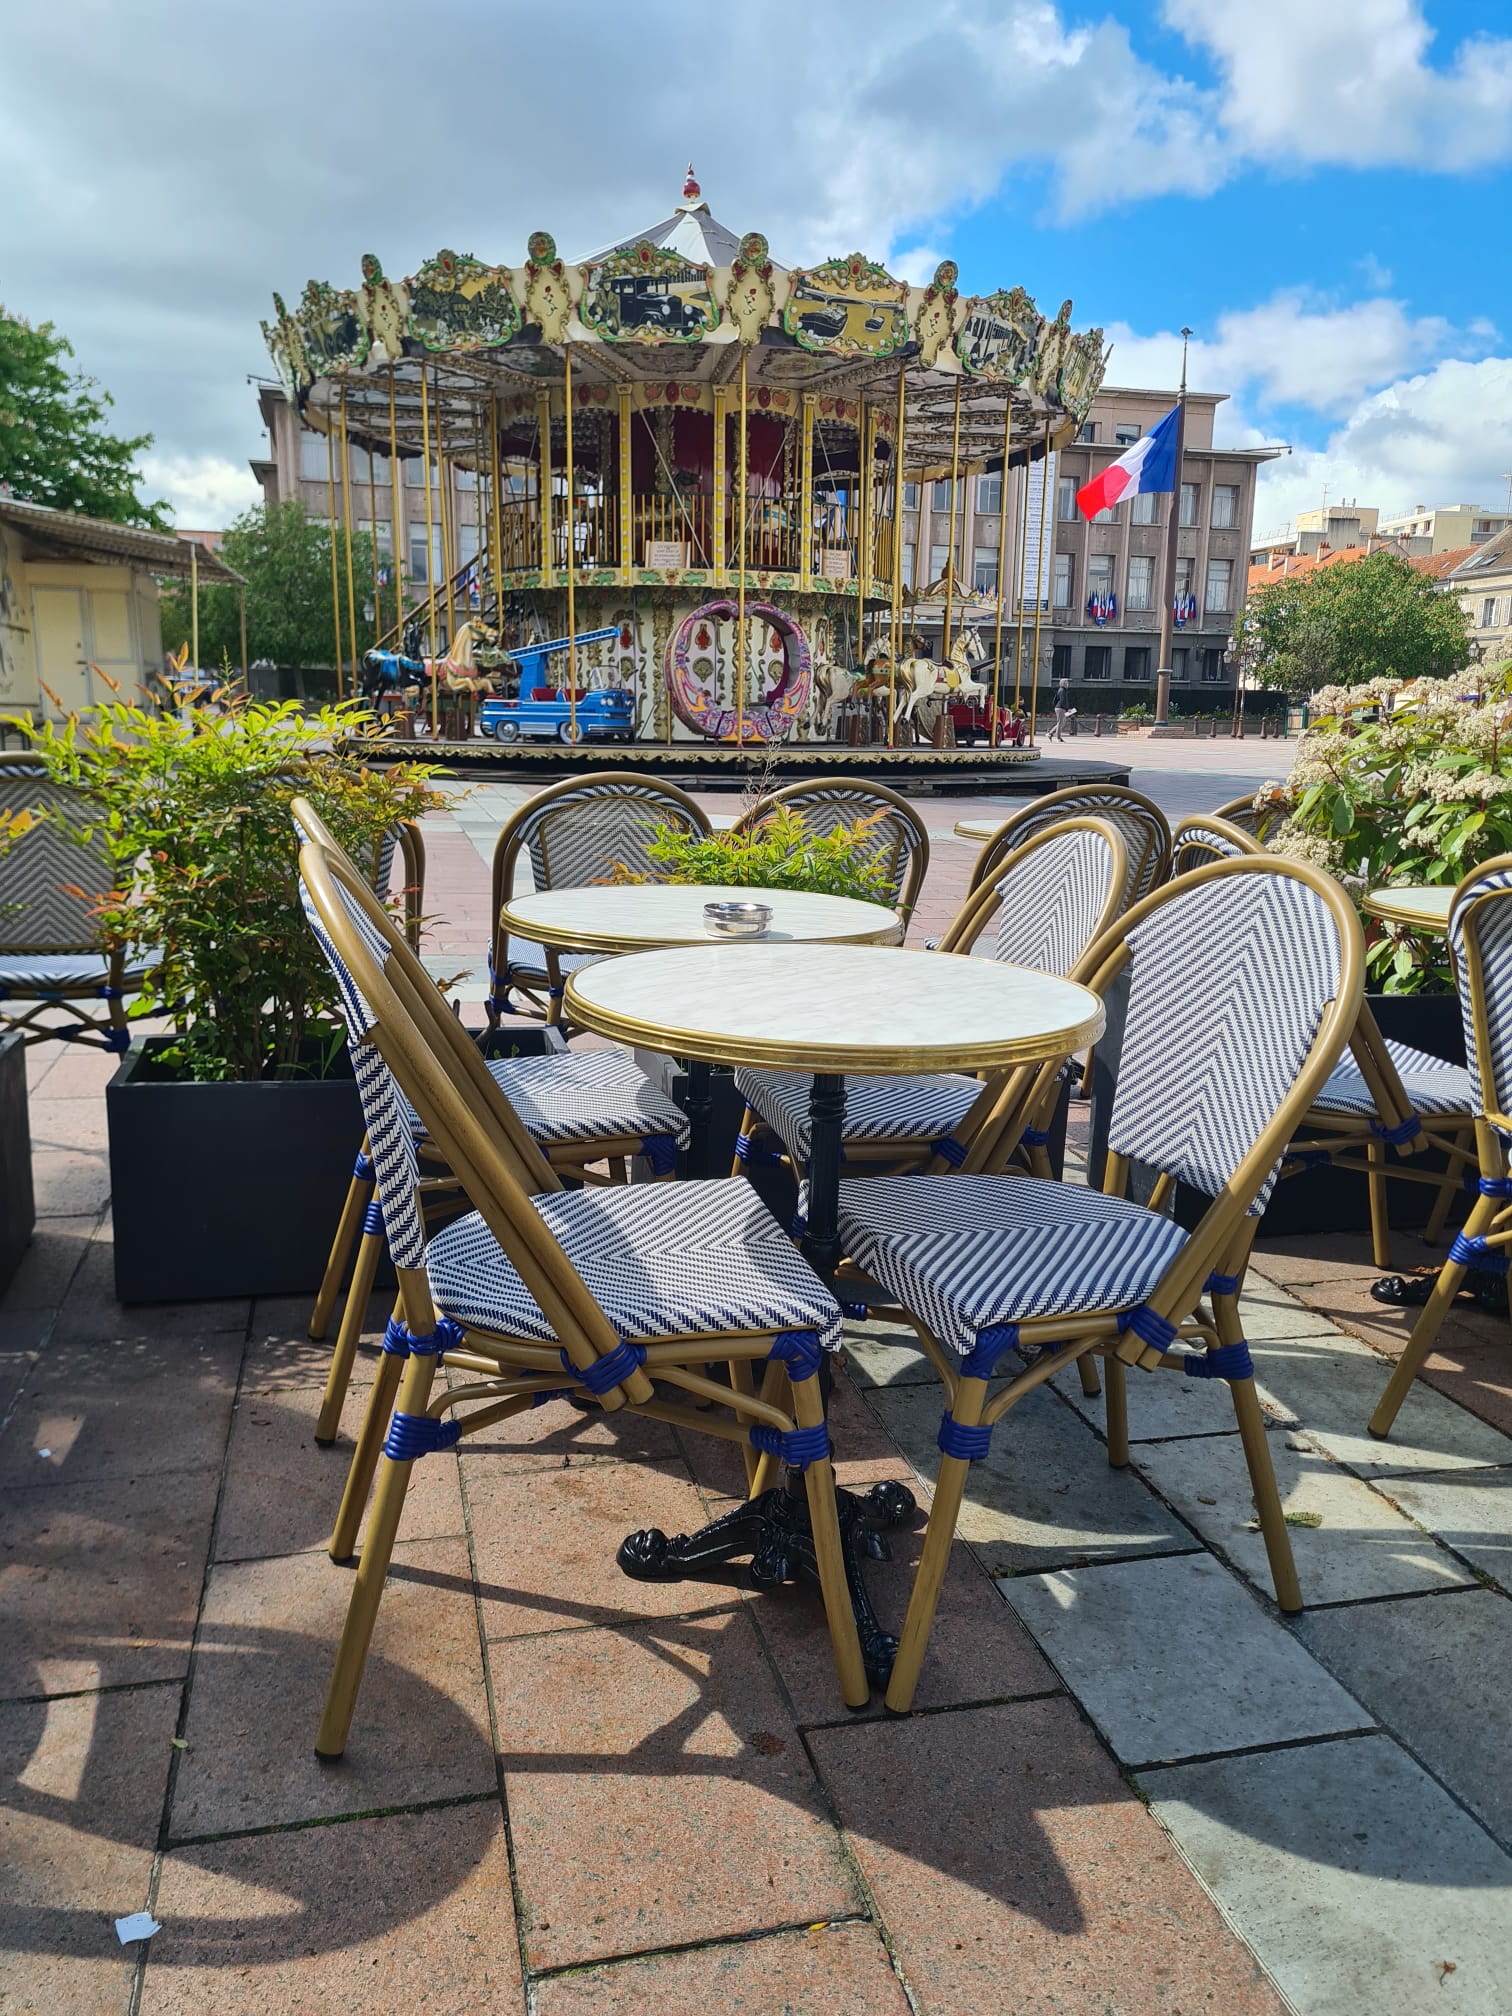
(1245, 981)
(1049, 899)
(899, 839)
(1242, 812)
(1480, 943)
(1146, 832)
(50, 882)
(403, 839)
(1203, 837)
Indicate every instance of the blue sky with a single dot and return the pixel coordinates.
(1318, 192)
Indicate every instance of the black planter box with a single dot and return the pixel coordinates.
(18, 1211)
(233, 1189)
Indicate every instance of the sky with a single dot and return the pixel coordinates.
(1318, 192)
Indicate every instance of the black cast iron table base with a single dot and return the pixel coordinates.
(773, 1529)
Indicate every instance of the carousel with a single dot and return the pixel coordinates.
(688, 464)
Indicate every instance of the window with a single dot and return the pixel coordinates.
(1136, 664)
(1488, 612)
(1181, 661)
(412, 477)
(1099, 574)
(940, 493)
(984, 570)
(1099, 662)
(1142, 508)
(1060, 661)
(1191, 497)
(938, 555)
(1212, 667)
(385, 533)
(1089, 431)
(1219, 576)
(1065, 497)
(1225, 506)
(465, 543)
(314, 466)
(1108, 517)
(1125, 434)
(909, 552)
(1185, 565)
(910, 496)
(1141, 581)
(418, 570)
(1061, 594)
(467, 479)
(989, 493)
(360, 460)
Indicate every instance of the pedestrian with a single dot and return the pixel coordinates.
(1063, 707)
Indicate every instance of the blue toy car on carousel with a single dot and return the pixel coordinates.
(547, 716)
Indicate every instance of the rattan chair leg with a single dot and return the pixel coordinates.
(343, 1542)
(348, 1227)
(1449, 1189)
(924, 1597)
(824, 1526)
(1428, 1324)
(1116, 1412)
(750, 1119)
(339, 1377)
(1273, 1527)
(741, 1381)
(1086, 1371)
(1380, 1221)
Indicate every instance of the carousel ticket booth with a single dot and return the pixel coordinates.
(688, 461)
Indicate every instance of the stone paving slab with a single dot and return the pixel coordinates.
(1355, 1875)
(411, 1912)
(1160, 1403)
(85, 1779)
(1059, 1894)
(1045, 1496)
(841, 1970)
(1176, 1659)
(90, 1311)
(50, 1263)
(560, 1436)
(658, 1791)
(1469, 1510)
(1361, 1548)
(885, 1354)
(1435, 1673)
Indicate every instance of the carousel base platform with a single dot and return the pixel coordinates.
(708, 766)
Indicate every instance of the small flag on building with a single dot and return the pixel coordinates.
(1149, 465)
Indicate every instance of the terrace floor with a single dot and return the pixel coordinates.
(1130, 1785)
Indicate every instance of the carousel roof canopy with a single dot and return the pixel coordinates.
(691, 230)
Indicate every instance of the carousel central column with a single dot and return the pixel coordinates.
(346, 532)
(745, 506)
(896, 634)
(721, 482)
(1002, 567)
(543, 481)
(571, 561)
(806, 496)
(396, 531)
(626, 484)
(955, 478)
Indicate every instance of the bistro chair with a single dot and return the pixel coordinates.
(1242, 812)
(1480, 947)
(52, 965)
(899, 839)
(1212, 1082)
(1145, 830)
(1206, 836)
(581, 1110)
(573, 833)
(541, 1291)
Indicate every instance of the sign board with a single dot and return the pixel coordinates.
(666, 554)
(835, 564)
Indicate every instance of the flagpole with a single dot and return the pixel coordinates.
(1167, 607)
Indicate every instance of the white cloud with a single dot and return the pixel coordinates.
(206, 491)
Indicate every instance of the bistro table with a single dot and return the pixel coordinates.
(1420, 908)
(978, 829)
(829, 1009)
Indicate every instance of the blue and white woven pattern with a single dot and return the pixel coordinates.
(583, 1096)
(1432, 1086)
(876, 1109)
(1051, 901)
(37, 909)
(527, 960)
(68, 972)
(965, 1252)
(1198, 845)
(892, 841)
(660, 1261)
(574, 839)
(1228, 985)
(1144, 834)
(1493, 931)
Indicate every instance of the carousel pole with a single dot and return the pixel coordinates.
(241, 605)
(398, 543)
(430, 535)
(745, 505)
(346, 534)
(373, 521)
(895, 635)
(498, 519)
(863, 509)
(543, 482)
(571, 559)
(335, 582)
(1002, 571)
(448, 512)
(1021, 556)
(955, 465)
(194, 602)
(1039, 575)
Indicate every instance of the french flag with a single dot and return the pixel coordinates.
(1149, 465)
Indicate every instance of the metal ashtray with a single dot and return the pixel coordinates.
(737, 920)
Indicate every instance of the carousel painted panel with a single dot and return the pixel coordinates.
(648, 295)
(458, 303)
(999, 336)
(850, 307)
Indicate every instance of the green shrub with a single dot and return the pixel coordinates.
(782, 854)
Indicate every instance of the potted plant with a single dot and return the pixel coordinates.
(233, 1125)
(18, 1209)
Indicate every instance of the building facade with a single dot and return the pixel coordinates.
(1435, 528)
(1102, 582)
(1483, 583)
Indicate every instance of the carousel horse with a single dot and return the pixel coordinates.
(395, 675)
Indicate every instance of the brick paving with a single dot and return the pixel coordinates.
(1130, 1785)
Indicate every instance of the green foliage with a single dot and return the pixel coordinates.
(1376, 618)
(194, 809)
(782, 854)
(1138, 712)
(1406, 784)
(55, 447)
(284, 557)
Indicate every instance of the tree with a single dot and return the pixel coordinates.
(284, 556)
(1376, 618)
(54, 445)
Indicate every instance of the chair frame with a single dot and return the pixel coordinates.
(1150, 871)
(512, 839)
(499, 1168)
(1212, 1262)
(792, 797)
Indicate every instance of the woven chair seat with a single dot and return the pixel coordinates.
(527, 960)
(1432, 1086)
(593, 1095)
(67, 972)
(967, 1252)
(661, 1260)
(876, 1109)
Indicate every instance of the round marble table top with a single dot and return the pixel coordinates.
(1420, 908)
(600, 918)
(978, 829)
(835, 1008)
